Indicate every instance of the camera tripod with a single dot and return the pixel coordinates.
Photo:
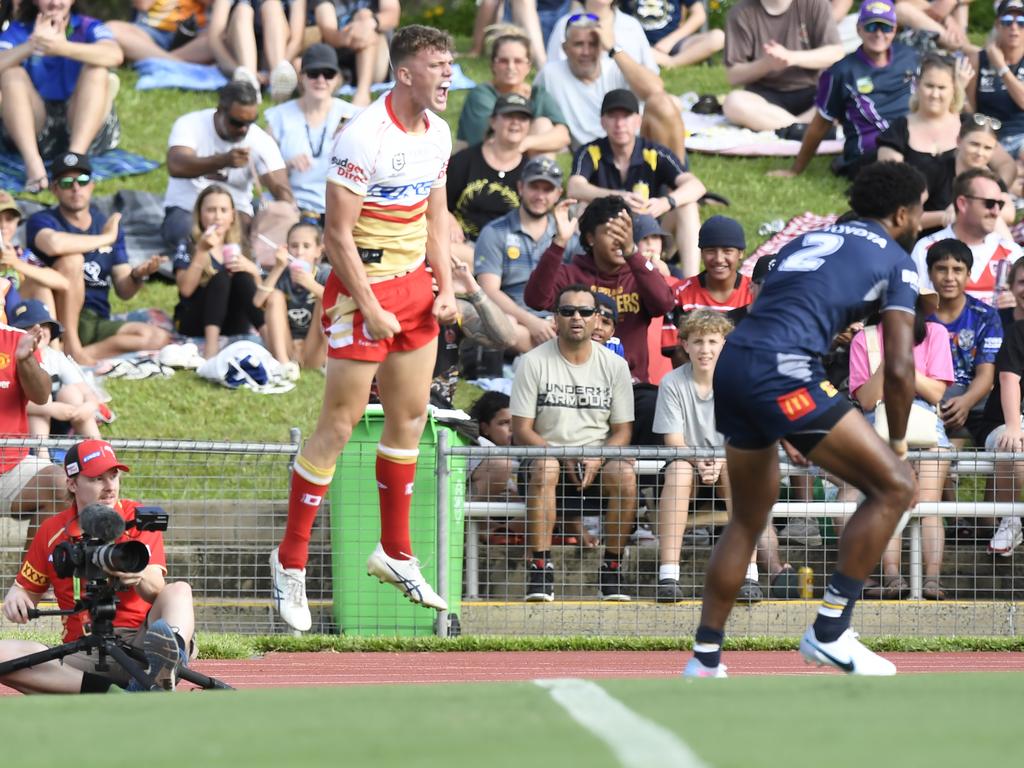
(102, 605)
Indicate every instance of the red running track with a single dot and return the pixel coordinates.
(327, 669)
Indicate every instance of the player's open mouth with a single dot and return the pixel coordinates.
(442, 90)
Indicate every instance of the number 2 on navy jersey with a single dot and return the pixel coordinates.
(817, 245)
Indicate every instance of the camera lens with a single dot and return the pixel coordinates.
(129, 557)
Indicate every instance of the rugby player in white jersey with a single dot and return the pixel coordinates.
(387, 219)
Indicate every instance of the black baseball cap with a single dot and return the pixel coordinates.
(620, 98)
(512, 104)
(542, 168)
(320, 56)
(70, 161)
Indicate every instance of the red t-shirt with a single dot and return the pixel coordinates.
(13, 400)
(692, 293)
(37, 571)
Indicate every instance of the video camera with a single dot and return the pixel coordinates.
(92, 556)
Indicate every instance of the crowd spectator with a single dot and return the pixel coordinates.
(510, 67)
(996, 89)
(975, 336)
(483, 178)
(685, 418)
(592, 67)
(978, 147)
(29, 485)
(978, 199)
(572, 391)
(927, 137)
(864, 91)
(943, 20)
(676, 30)
(1001, 428)
(291, 297)
(933, 363)
(26, 273)
(304, 129)
(775, 50)
(650, 178)
(72, 401)
(510, 247)
(617, 28)
(1015, 286)
(58, 91)
(216, 279)
(360, 31)
(88, 249)
(610, 263)
(221, 145)
(720, 286)
(165, 29)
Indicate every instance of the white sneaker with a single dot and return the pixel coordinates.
(241, 74)
(290, 594)
(291, 371)
(694, 668)
(847, 654)
(405, 576)
(283, 81)
(1007, 537)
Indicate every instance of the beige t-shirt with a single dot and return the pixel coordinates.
(572, 404)
(805, 25)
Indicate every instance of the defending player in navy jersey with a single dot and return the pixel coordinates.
(770, 384)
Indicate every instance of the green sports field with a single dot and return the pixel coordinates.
(963, 719)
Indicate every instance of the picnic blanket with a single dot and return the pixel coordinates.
(796, 226)
(109, 165)
(713, 134)
(166, 73)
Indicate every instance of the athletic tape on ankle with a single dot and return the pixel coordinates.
(397, 455)
(309, 471)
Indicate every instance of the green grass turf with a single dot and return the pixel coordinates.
(926, 720)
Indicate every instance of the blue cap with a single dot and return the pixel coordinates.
(33, 312)
(606, 301)
(721, 232)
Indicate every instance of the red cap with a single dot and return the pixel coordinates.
(91, 458)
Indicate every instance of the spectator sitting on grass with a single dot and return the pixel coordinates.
(29, 276)
(978, 199)
(216, 280)
(676, 30)
(775, 50)
(650, 178)
(510, 67)
(865, 92)
(291, 297)
(88, 249)
(483, 178)
(72, 401)
(572, 391)
(610, 263)
(165, 29)
(58, 91)
(595, 65)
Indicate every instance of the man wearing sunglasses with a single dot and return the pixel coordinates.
(222, 145)
(978, 201)
(87, 248)
(574, 391)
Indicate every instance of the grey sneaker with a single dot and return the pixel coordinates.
(750, 592)
(669, 591)
(802, 530)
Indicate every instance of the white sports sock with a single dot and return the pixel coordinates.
(752, 572)
(668, 572)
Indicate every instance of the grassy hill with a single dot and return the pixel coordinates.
(188, 408)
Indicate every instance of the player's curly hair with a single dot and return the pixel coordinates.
(600, 211)
(880, 189)
(410, 40)
(703, 322)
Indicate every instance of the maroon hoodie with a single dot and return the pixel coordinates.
(639, 290)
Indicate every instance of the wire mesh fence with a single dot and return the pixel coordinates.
(624, 556)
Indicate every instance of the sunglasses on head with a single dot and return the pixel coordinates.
(878, 26)
(987, 122)
(239, 123)
(582, 18)
(988, 202)
(567, 310)
(67, 182)
(1009, 20)
(316, 74)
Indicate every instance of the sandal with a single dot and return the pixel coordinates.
(894, 588)
(933, 590)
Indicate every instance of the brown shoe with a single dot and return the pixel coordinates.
(933, 590)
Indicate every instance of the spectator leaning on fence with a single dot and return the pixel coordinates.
(610, 263)
(88, 248)
(650, 178)
(978, 200)
(153, 615)
(572, 391)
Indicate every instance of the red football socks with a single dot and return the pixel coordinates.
(309, 486)
(396, 470)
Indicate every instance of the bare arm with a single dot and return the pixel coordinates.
(642, 81)
(523, 432)
(816, 131)
(585, 192)
(816, 58)
(34, 381)
(45, 276)
(54, 243)
(745, 72)
(102, 53)
(15, 56)
(278, 185)
(439, 242)
(620, 435)
(184, 163)
(554, 140)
